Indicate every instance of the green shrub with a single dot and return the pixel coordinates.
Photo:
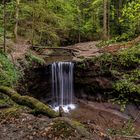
(9, 75)
(123, 68)
(106, 42)
(34, 58)
(129, 57)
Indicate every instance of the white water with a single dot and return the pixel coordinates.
(66, 108)
(62, 86)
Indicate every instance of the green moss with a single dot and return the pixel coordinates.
(5, 100)
(13, 111)
(82, 65)
(61, 128)
(76, 123)
(81, 57)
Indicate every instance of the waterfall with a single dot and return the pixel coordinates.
(62, 85)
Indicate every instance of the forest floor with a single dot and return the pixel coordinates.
(86, 50)
(19, 49)
(102, 120)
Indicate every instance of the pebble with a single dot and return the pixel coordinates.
(34, 133)
(30, 137)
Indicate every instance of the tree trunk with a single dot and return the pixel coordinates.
(108, 32)
(120, 9)
(105, 20)
(17, 18)
(4, 25)
(79, 26)
(33, 28)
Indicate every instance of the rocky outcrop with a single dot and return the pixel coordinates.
(91, 81)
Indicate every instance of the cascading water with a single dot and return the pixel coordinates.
(62, 85)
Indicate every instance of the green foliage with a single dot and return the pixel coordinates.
(127, 88)
(8, 73)
(129, 57)
(34, 58)
(124, 91)
(123, 68)
(126, 58)
(10, 19)
(106, 43)
(131, 19)
(82, 65)
(58, 22)
(52, 22)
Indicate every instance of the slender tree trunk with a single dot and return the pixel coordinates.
(4, 25)
(17, 19)
(33, 29)
(120, 8)
(108, 33)
(78, 20)
(105, 20)
(79, 24)
(79, 36)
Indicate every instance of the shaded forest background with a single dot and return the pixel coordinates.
(64, 22)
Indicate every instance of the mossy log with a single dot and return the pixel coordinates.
(30, 102)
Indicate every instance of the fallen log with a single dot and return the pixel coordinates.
(30, 102)
(56, 48)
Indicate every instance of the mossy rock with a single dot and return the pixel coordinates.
(10, 112)
(75, 125)
(62, 129)
(5, 100)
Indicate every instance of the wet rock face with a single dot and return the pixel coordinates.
(91, 81)
(37, 83)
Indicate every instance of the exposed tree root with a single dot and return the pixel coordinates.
(30, 102)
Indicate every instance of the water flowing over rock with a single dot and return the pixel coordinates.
(62, 85)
